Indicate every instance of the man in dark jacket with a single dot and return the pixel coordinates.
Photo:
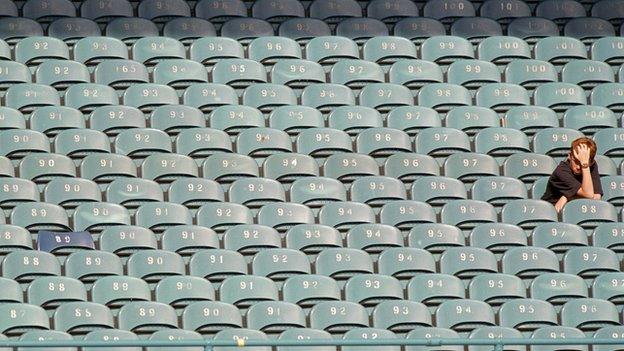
(576, 177)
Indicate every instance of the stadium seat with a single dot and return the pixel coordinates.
(143, 317)
(529, 262)
(117, 291)
(559, 237)
(123, 240)
(418, 29)
(589, 314)
(245, 291)
(312, 238)
(558, 332)
(309, 290)
(496, 288)
(180, 291)
(274, 317)
(222, 316)
(432, 289)
(435, 237)
(558, 288)
(527, 315)
(338, 317)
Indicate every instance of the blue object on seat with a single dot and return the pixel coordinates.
(56, 241)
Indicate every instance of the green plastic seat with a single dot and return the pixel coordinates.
(558, 288)
(61, 74)
(467, 262)
(589, 119)
(387, 50)
(166, 168)
(270, 50)
(559, 96)
(405, 214)
(527, 315)
(14, 238)
(245, 291)
(430, 333)
(35, 216)
(528, 213)
(473, 74)
(93, 50)
(295, 119)
(325, 97)
(337, 317)
(176, 334)
(308, 290)
(279, 264)
(529, 262)
(589, 314)
(179, 73)
(432, 289)
(343, 263)
(589, 262)
(501, 142)
(578, 72)
(496, 288)
(215, 265)
(530, 73)
(86, 97)
(374, 238)
(559, 50)
(344, 215)
(446, 49)
(210, 50)
(226, 168)
(405, 263)
(79, 318)
(239, 73)
(559, 237)
(220, 216)
(441, 142)
(443, 97)
(111, 334)
(371, 289)
(415, 74)
(172, 119)
(283, 216)
(303, 334)
(501, 50)
(464, 315)
(435, 237)
(262, 142)
(209, 317)
(120, 73)
(41, 168)
(27, 97)
(438, 190)
(528, 167)
(28, 318)
(558, 332)
(589, 213)
(199, 143)
(13, 73)
(25, 266)
(47, 335)
(34, 50)
(609, 143)
(117, 291)
(94, 217)
(11, 291)
(367, 334)
(275, 316)
(328, 50)
(495, 333)
(147, 96)
(531, 119)
(114, 119)
(71, 192)
(497, 237)
(145, 317)
(89, 266)
(267, 96)
(186, 240)
(312, 238)
(123, 240)
(138, 143)
(154, 265)
(607, 235)
(233, 335)
(249, 239)
(17, 190)
(144, 191)
(288, 167)
(296, 73)
(256, 192)
(151, 50)
(209, 96)
(498, 191)
(181, 291)
(233, 119)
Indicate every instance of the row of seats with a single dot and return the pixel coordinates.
(380, 143)
(326, 10)
(359, 29)
(476, 29)
(434, 248)
(273, 317)
(239, 335)
(311, 239)
(342, 215)
(325, 50)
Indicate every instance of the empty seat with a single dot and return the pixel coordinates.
(338, 317)
(435, 237)
(246, 29)
(609, 143)
(530, 73)
(343, 263)
(215, 265)
(476, 29)
(589, 262)
(25, 266)
(32, 51)
(404, 263)
(529, 262)
(496, 288)
(119, 73)
(464, 315)
(275, 316)
(558, 288)
(361, 29)
(245, 291)
(52, 292)
(220, 216)
(283, 216)
(222, 316)
(40, 216)
(28, 318)
(589, 213)
(89, 266)
(343, 215)
(446, 49)
(432, 289)
(418, 29)
(279, 264)
(467, 262)
(557, 332)
(13, 29)
(589, 119)
(28, 97)
(309, 290)
(130, 29)
(143, 317)
(269, 50)
(124, 240)
(447, 11)
(589, 314)
(312, 238)
(559, 10)
(527, 315)
(61, 74)
(181, 291)
(188, 29)
(498, 190)
(61, 244)
(370, 289)
(504, 11)
(154, 265)
(185, 240)
(558, 237)
(532, 29)
(466, 214)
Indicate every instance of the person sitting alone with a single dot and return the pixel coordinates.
(576, 177)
